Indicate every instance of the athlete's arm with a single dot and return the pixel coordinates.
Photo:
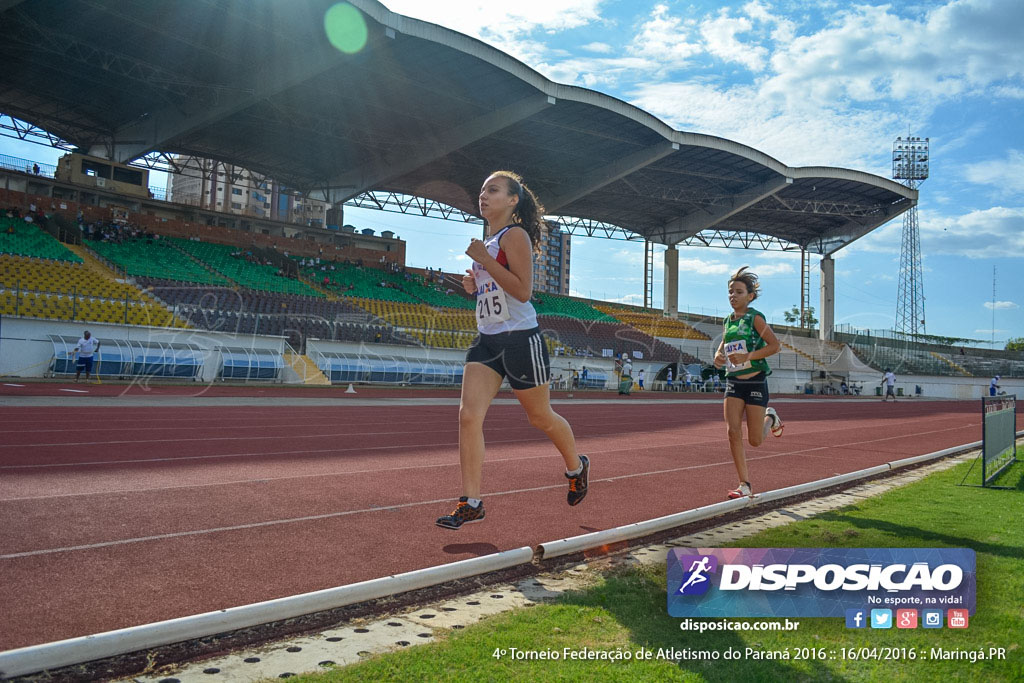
(771, 342)
(517, 279)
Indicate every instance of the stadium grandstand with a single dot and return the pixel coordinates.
(306, 299)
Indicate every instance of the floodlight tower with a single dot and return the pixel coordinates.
(910, 164)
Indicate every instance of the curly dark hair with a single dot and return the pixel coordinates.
(748, 279)
(529, 212)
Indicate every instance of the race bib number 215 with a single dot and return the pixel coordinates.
(492, 307)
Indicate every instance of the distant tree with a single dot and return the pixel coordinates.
(792, 316)
(1015, 344)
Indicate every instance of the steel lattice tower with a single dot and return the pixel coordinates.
(910, 164)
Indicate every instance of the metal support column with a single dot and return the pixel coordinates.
(648, 273)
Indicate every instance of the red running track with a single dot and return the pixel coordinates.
(117, 516)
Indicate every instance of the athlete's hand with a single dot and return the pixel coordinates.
(469, 282)
(738, 358)
(477, 251)
(719, 359)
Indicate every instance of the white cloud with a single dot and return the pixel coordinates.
(492, 20)
(871, 52)
(593, 72)
(797, 134)
(765, 270)
(1005, 174)
(721, 39)
(833, 96)
(600, 48)
(666, 40)
(703, 266)
(1000, 305)
(997, 232)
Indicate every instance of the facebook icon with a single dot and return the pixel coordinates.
(856, 618)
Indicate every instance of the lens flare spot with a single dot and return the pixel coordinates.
(345, 28)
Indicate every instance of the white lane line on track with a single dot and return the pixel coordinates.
(251, 454)
(363, 471)
(345, 513)
(515, 422)
(349, 434)
(354, 448)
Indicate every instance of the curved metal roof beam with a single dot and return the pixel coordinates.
(684, 227)
(598, 178)
(836, 173)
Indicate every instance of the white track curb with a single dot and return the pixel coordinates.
(88, 648)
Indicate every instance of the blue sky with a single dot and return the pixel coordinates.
(809, 83)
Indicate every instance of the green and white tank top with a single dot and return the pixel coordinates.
(739, 336)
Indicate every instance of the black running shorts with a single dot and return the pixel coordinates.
(521, 356)
(752, 390)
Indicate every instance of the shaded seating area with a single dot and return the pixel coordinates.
(131, 358)
(247, 363)
(366, 368)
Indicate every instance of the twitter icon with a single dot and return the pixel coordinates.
(881, 618)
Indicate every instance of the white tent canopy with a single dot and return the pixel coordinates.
(847, 363)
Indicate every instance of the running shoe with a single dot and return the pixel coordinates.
(578, 483)
(741, 491)
(464, 513)
(777, 425)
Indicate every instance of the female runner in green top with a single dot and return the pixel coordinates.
(747, 341)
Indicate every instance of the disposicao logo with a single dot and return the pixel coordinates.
(818, 582)
(696, 580)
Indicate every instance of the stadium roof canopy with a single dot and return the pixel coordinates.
(419, 110)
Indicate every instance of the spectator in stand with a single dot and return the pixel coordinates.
(35, 168)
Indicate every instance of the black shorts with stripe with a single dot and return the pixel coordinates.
(521, 356)
(753, 390)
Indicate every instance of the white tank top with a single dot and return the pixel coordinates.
(496, 310)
